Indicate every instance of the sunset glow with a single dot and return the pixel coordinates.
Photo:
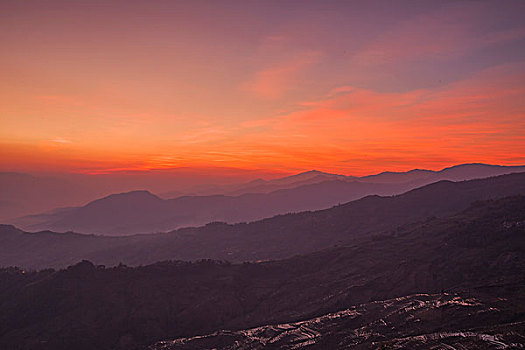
(346, 87)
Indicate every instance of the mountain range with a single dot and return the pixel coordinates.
(278, 237)
(143, 212)
(417, 177)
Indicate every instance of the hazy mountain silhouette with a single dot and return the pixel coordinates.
(274, 238)
(455, 173)
(23, 194)
(415, 178)
(431, 280)
(140, 212)
(305, 178)
(263, 186)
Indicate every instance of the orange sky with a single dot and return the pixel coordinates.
(350, 88)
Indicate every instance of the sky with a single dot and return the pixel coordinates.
(352, 87)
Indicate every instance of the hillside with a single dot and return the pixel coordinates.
(475, 257)
(274, 238)
(418, 321)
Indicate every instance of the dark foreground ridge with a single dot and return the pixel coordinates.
(279, 237)
(467, 270)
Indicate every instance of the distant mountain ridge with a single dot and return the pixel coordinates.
(459, 172)
(278, 237)
(264, 186)
(454, 173)
(142, 212)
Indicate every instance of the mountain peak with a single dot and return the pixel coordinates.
(313, 172)
(141, 196)
(8, 229)
(477, 170)
(466, 165)
(135, 193)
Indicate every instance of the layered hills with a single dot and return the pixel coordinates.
(143, 212)
(274, 238)
(454, 278)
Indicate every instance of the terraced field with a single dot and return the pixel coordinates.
(419, 321)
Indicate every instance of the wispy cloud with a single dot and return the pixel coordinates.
(451, 32)
(60, 140)
(479, 118)
(276, 80)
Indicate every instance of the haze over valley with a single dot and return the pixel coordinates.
(141, 211)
